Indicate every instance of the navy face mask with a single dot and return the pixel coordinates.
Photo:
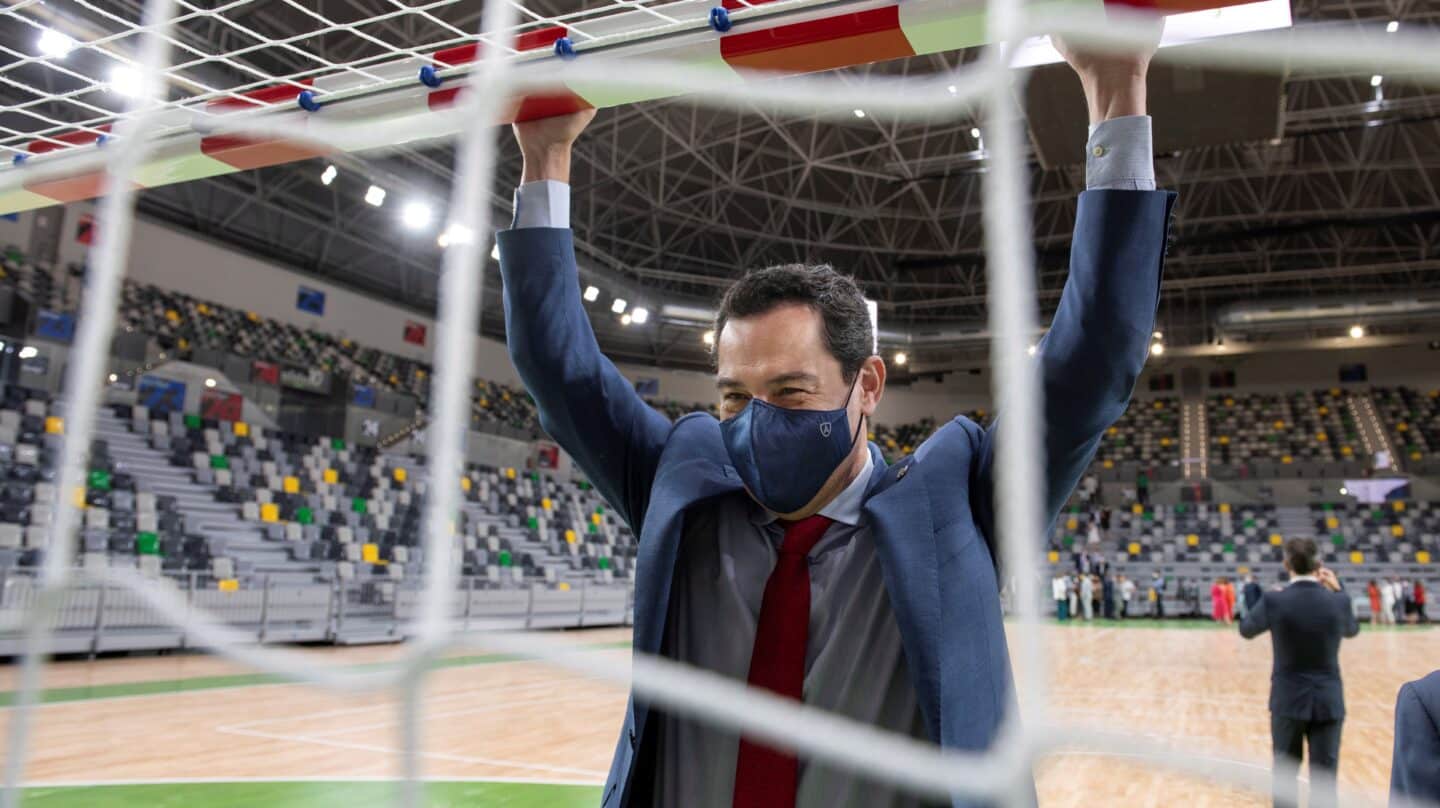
(784, 456)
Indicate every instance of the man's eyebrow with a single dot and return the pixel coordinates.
(724, 382)
(793, 376)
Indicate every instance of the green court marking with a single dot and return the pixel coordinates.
(1201, 623)
(310, 794)
(163, 686)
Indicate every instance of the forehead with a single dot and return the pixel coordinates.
(784, 339)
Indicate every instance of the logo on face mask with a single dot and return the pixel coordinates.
(824, 429)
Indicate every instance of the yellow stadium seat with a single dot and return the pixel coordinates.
(184, 344)
(241, 429)
(546, 503)
(1279, 424)
(1398, 506)
(1331, 522)
(1397, 530)
(1324, 410)
(1346, 451)
(1415, 455)
(595, 518)
(1224, 440)
(269, 512)
(1071, 523)
(291, 485)
(54, 425)
(398, 474)
(1112, 431)
(1321, 436)
(510, 474)
(1137, 509)
(330, 476)
(1109, 464)
(228, 585)
(1192, 540)
(1134, 548)
(78, 498)
(1287, 460)
(1357, 557)
(465, 484)
(1402, 427)
(570, 537)
(563, 587)
(172, 315)
(1224, 507)
(252, 316)
(203, 309)
(1229, 402)
(1164, 441)
(1276, 539)
(370, 553)
(1053, 556)
(1422, 557)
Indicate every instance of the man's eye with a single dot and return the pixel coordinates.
(736, 398)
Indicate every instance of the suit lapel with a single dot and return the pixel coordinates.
(898, 511)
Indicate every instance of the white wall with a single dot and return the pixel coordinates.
(16, 232)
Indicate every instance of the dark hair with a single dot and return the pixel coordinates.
(836, 297)
(1300, 556)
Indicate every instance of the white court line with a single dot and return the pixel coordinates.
(488, 708)
(445, 756)
(390, 705)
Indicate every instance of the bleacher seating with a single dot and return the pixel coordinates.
(1412, 421)
(1147, 436)
(1297, 434)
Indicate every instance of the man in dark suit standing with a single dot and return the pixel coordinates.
(1306, 621)
(1415, 767)
(1250, 594)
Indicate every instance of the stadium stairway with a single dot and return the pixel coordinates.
(218, 522)
(1295, 522)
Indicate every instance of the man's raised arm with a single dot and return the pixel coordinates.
(1096, 346)
(584, 402)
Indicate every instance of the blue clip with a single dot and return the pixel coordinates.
(307, 102)
(19, 158)
(720, 19)
(101, 141)
(429, 78)
(564, 48)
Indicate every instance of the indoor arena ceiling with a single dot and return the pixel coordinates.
(672, 199)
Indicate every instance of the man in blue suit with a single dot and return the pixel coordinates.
(1415, 765)
(775, 546)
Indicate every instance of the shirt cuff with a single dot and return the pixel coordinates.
(1120, 155)
(545, 203)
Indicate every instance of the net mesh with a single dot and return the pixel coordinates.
(202, 55)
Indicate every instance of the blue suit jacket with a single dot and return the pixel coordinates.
(931, 515)
(1415, 768)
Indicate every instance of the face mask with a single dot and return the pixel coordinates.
(784, 456)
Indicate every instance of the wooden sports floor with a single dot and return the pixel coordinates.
(182, 730)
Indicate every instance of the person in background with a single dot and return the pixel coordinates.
(1420, 615)
(1373, 591)
(1399, 586)
(1058, 590)
(1250, 594)
(1229, 601)
(1127, 593)
(1387, 602)
(1087, 596)
(1306, 620)
(1107, 597)
(1157, 594)
(1217, 601)
(1072, 593)
(1415, 763)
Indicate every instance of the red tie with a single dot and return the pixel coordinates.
(766, 777)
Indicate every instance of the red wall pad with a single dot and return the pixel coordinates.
(827, 44)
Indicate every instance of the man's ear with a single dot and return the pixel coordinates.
(872, 384)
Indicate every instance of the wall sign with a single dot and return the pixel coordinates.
(310, 300)
(415, 332)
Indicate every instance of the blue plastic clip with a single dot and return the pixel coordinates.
(307, 102)
(429, 77)
(102, 140)
(564, 48)
(19, 158)
(720, 19)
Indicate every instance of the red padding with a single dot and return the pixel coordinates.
(827, 44)
(530, 40)
(69, 139)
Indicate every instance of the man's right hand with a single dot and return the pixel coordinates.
(545, 144)
(1327, 579)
